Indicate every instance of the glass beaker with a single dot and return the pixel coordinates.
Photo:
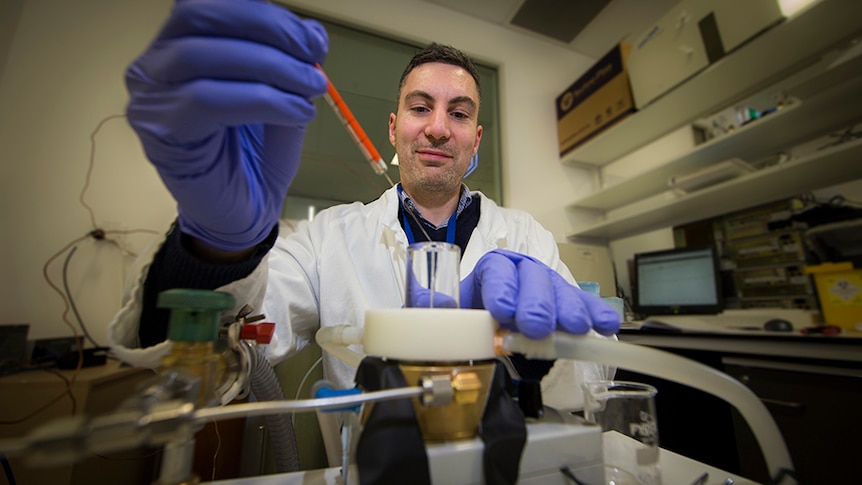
(626, 412)
(433, 275)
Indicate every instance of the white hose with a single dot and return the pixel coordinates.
(667, 366)
(336, 339)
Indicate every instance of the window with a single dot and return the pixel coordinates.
(366, 68)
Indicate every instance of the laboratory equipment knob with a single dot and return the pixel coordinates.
(194, 313)
(259, 332)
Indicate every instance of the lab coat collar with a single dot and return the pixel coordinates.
(492, 232)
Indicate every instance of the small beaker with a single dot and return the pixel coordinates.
(626, 413)
(433, 275)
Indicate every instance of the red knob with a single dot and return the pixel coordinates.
(259, 332)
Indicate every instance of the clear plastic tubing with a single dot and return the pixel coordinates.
(667, 366)
(335, 341)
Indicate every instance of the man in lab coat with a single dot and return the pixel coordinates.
(220, 101)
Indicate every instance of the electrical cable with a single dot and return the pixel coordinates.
(68, 301)
(7, 470)
(66, 391)
(65, 293)
(78, 343)
(97, 234)
(74, 307)
(302, 383)
(218, 447)
(34, 412)
(68, 387)
(92, 164)
(306, 376)
(621, 292)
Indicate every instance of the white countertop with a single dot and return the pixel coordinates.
(741, 332)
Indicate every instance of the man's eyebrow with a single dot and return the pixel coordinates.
(463, 100)
(419, 94)
(456, 100)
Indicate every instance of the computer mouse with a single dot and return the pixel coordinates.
(659, 326)
(778, 325)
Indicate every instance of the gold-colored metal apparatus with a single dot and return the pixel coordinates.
(448, 352)
(460, 418)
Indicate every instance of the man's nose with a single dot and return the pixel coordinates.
(438, 125)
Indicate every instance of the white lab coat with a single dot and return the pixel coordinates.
(349, 259)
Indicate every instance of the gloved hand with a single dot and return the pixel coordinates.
(525, 295)
(420, 296)
(220, 101)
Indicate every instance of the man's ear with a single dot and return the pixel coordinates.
(392, 128)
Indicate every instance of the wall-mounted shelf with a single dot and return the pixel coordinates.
(766, 59)
(793, 124)
(827, 167)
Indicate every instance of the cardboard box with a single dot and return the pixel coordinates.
(92, 392)
(691, 36)
(596, 101)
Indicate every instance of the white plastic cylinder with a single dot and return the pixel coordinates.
(414, 334)
(430, 334)
(671, 367)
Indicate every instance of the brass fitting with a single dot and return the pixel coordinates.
(467, 386)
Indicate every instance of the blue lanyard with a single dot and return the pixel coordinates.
(450, 226)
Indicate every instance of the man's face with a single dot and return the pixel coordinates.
(436, 130)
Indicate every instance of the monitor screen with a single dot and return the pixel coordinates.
(678, 281)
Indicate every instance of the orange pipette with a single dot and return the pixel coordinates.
(336, 102)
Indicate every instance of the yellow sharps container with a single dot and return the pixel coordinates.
(839, 288)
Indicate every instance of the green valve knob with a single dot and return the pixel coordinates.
(194, 313)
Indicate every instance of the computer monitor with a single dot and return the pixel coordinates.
(678, 281)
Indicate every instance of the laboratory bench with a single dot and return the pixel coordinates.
(811, 384)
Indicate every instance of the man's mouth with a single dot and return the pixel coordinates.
(430, 154)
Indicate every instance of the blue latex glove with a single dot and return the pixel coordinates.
(420, 296)
(525, 295)
(220, 101)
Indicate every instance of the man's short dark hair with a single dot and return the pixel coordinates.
(441, 53)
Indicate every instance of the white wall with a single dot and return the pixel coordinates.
(64, 74)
